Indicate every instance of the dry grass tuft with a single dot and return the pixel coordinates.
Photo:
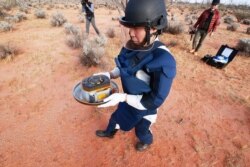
(58, 19)
(8, 51)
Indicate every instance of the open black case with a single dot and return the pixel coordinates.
(224, 52)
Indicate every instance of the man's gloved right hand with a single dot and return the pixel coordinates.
(103, 73)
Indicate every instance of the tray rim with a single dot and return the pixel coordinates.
(115, 86)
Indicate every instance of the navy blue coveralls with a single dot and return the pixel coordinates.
(160, 65)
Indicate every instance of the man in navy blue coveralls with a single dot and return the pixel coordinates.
(146, 68)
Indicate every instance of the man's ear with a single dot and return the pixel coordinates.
(153, 30)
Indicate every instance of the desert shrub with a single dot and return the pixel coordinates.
(110, 33)
(81, 18)
(174, 27)
(244, 46)
(241, 14)
(71, 29)
(188, 19)
(74, 41)
(7, 6)
(100, 40)
(194, 17)
(233, 27)
(51, 5)
(24, 8)
(5, 26)
(57, 19)
(75, 38)
(21, 16)
(228, 19)
(246, 21)
(8, 51)
(92, 51)
(39, 13)
(11, 19)
(248, 30)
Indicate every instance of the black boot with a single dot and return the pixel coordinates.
(103, 133)
(140, 146)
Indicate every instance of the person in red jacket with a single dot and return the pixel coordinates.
(206, 23)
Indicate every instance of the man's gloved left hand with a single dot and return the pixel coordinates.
(114, 99)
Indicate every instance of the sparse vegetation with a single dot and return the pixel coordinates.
(58, 19)
(100, 40)
(244, 46)
(175, 28)
(40, 13)
(5, 26)
(92, 51)
(242, 14)
(228, 19)
(71, 29)
(233, 27)
(188, 19)
(248, 30)
(8, 51)
(246, 21)
(110, 33)
(36, 88)
(24, 8)
(74, 39)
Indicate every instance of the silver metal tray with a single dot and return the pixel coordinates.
(78, 94)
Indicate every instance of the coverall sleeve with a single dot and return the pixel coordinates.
(161, 82)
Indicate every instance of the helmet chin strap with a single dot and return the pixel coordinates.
(147, 39)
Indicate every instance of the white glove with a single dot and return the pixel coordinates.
(103, 73)
(114, 99)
